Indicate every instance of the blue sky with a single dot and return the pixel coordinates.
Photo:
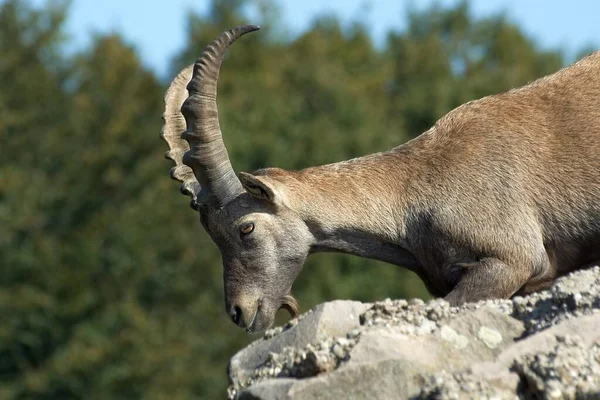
(157, 27)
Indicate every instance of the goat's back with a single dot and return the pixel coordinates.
(526, 163)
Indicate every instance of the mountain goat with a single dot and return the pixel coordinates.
(499, 197)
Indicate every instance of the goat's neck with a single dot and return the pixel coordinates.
(355, 207)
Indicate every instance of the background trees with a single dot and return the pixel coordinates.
(109, 288)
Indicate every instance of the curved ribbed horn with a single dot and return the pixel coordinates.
(171, 132)
(208, 156)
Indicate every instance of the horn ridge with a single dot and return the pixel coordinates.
(174, 124)
(207, 155)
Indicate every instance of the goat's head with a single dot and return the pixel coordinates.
(263, 243)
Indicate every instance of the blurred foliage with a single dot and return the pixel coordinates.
(109, 288)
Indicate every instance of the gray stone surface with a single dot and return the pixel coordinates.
(570, 297)
(510, 368)
(325, 320)
(545, 345)
(568, 370)
(464, 385)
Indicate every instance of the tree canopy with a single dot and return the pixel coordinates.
(109, 287)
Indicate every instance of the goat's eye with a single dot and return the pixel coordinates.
(247, 228)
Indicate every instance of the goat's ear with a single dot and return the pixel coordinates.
(261, 187)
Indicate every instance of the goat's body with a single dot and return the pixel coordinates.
(510, 182)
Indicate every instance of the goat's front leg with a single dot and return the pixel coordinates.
(488, 278)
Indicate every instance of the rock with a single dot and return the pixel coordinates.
(356, 381)
(569, 370)
(512, 366)
(463, 385)
(329, 319)
(269, 389)
(587, 327)
(410, 355)
(570, 297)
(544, 345)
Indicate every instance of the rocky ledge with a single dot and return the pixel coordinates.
(542, 346)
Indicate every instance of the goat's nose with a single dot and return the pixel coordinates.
(236, 314)
(243, 314)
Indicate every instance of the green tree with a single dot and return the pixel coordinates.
(30, 99)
